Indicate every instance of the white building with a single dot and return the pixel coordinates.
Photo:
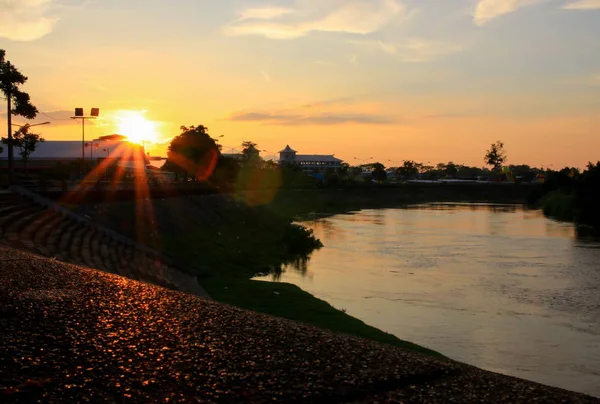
(52, 152)
(309, 162)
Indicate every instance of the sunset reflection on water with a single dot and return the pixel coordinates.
(496, 286)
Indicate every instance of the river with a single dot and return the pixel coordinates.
(498, 287)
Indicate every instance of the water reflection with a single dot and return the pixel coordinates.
(298, 265)
(496, 286)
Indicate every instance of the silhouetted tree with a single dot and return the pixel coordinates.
(251, 153)
(26, 142)
(408, 169)
(496, 155)
(343, 171)
(587, 196)
(18, 102)
(378, 173)
(193, 153)
(451, 169)
(226, 172)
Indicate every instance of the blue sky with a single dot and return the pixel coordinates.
(426, 80)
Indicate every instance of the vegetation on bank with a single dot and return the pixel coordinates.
(570, 195)
(226, 243)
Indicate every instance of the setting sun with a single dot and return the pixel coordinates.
(136, 127)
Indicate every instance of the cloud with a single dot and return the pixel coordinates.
(583, 5)
(265, 13)
(353, 59)
(354, 17)
(487, 10)
(266, 76)
(25, 20)
(317, 119)
(414, 50)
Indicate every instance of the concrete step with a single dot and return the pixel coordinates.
(13, 229)
(66, 238)
(53, 237)
(17, 214)
(77, 242)
(28, 232)
(40, 238)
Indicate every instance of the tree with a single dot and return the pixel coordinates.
(451, 170)
(408, 169)
(496, 156)
(251, 153)
(193, 153)
(18, 102)
(343, 171)
(355, 172)
(378, 173)
(26, 142)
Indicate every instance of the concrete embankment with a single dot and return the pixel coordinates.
(71, 334)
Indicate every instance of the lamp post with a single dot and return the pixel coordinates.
(79, 115)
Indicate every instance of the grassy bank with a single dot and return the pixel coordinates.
(227, 243)
(558, 205)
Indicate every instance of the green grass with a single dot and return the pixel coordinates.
(291, 302)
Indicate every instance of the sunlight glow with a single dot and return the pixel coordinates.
(137, 127)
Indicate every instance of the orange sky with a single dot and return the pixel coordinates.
(387, 79)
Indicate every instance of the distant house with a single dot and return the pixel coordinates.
(309, 162)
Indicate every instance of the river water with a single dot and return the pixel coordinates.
(498, 287)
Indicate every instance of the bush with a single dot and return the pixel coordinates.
(559, 205)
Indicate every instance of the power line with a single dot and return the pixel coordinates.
(54, 119)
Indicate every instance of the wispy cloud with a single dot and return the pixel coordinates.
(322, 119)
(264, 13)
(583, 5)
(487, 10)
(266, 76)
(356, 17)
(414, 50)
(25, 20)
(353, 59)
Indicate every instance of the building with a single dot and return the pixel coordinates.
(51, 153)
(309, 162)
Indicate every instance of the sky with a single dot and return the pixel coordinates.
(392, 80)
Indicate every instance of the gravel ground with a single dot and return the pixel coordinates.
(70, 334)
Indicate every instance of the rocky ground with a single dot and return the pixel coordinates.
(71, 334)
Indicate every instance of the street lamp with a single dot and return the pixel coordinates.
(94, 112)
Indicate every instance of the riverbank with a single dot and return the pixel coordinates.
(230, 243)
(156, 344)
(304, 203)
